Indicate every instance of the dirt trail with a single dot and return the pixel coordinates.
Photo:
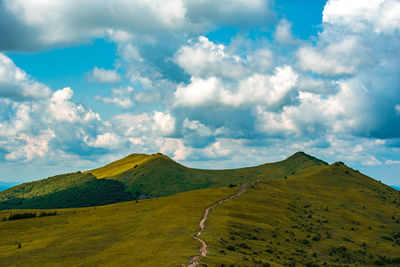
(194, 261)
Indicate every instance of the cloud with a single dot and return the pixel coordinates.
(106, 140)
(121, 97)
(357, 52)
(156, 123)
(62, 109)
(283, 33)
(19, 122)
(175, 147)
(104, 76)
(219, 77)
(244, 13)
(216, 150)
(392, 162)
(196, 134)
(204, 59)
(60, 23)
(335, 59)
(164, 123)
(198, 93)
(270, 90)
(16, 84)
(31, 147)
(378, 16)
(39, 125)
(397, 109)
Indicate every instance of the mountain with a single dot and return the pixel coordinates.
(323, 215)
(140, 176)
(331, 216)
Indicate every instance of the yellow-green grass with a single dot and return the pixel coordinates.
(152, 232)
(122, 165)
(333, 215)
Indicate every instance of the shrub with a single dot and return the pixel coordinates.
(230, 247)
(243, 245)
(316, 238)
(50, 213)
(19, 216)
(314, 255)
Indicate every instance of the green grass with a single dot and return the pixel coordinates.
(152, 232)
(46, 186)
(141, 176)
(332, 215)
(93, 192)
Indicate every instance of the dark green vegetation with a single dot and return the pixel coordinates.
(64, 191)
(331, 216)
(25, 215)
(140, 176)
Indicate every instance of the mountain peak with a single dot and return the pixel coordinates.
(300, 155)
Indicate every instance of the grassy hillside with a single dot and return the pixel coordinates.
(121, 165)
(331, 216)
(140, 176)
(152, 232)
(64, 191)
(46, 186)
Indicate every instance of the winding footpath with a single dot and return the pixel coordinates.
(194, 261)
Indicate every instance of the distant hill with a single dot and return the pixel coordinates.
(141, 176)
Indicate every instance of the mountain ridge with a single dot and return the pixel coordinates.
(144, 176)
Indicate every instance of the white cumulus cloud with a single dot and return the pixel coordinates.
(16, 84)
(104, 75)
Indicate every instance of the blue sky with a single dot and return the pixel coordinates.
(212, 84)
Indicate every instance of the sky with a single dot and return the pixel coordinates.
(212, 84)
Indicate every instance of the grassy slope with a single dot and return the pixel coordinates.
(158, 175)
(153, 232)
(121, 165)
(64, 191)
(344, 216)
(46, 186)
